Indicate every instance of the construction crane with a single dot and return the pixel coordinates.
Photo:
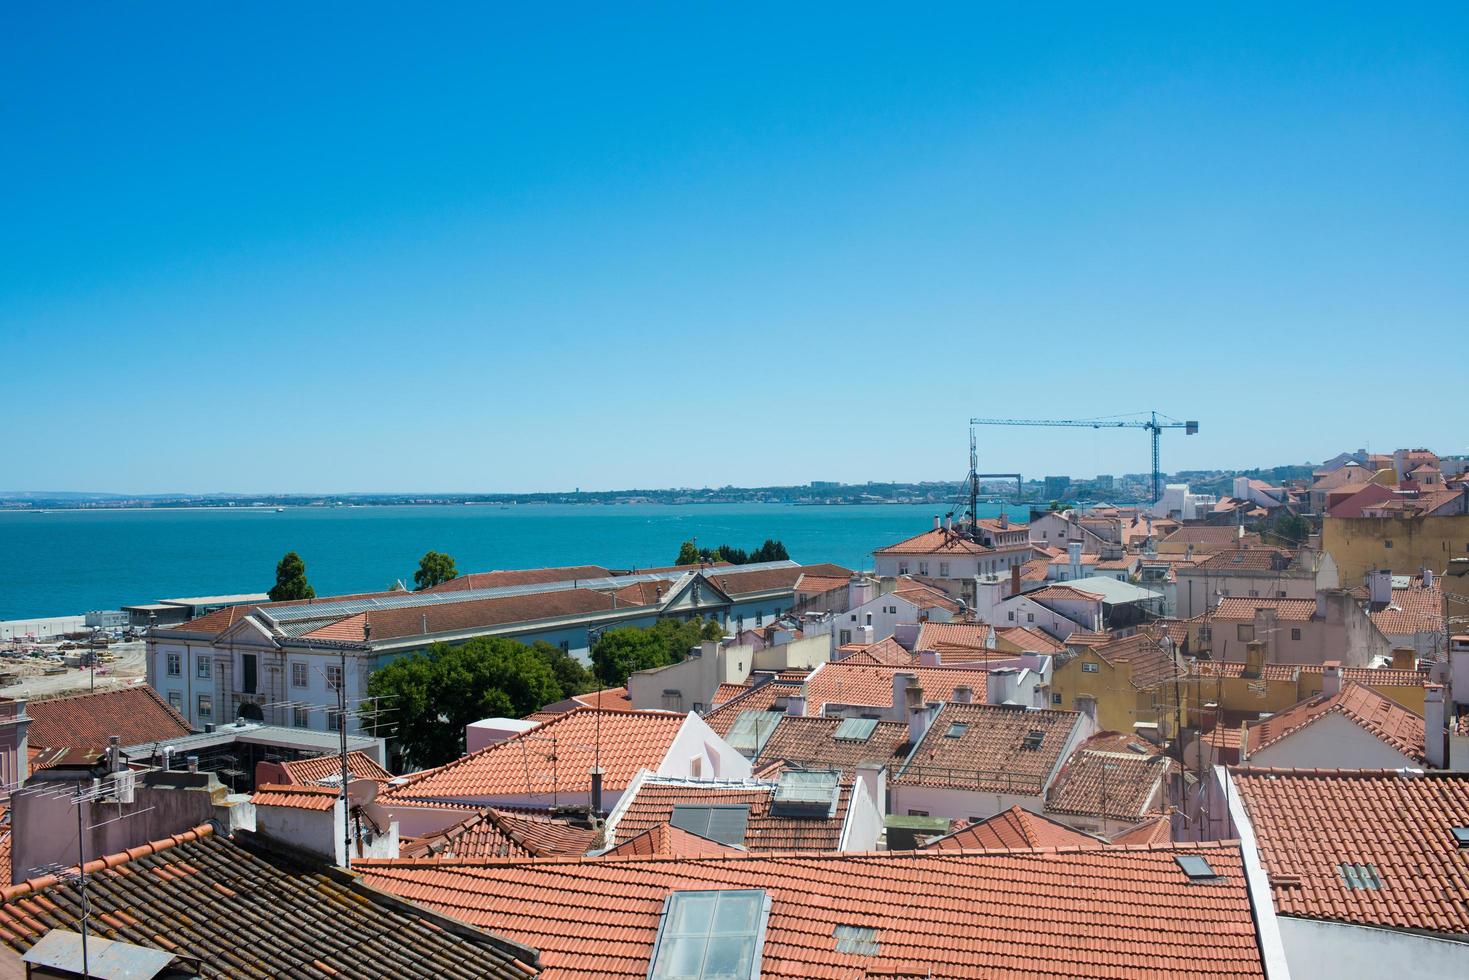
(1155, 429)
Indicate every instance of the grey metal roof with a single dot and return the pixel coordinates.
(1111, 590)
(331, 611)
(303, 738)
(61, 949)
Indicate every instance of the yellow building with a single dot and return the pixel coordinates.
(1404, 544)
(1121, 684)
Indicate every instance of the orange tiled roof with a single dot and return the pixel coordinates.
(991, 753)
(871, 685)
(298, 797)
(727, 692)
(1247, 560)
(1155, 830)
(734, 582)
(494, 833)
(810, 742)
(1030, 640)
(448, 617)
(1370, 676)
(1243, 608)
(655, 799)
(1085, 912)
(939, 542)
(937, 636)
(553, 758)
(671, 841)
(1113, 776)
(1148, 654)
(85, 721)
(888, 651)
(1309, 823)
(521, 576)
(925, 596)
(1014, 828)
(1063, 592)
(761, 697)
(1383, 717)
(1412, 610)
(1035, 570)
(360, 765)
(821, 584)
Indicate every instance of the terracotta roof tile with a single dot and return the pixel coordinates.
(1030, 640)
(727, 692)
(940, 542)
(871, 685)
(553, 758)
(1155, 830)
(884, 652)
(925, 596)
(1014, 828)
(655, 799)
(1247, 560)
(1383, 717)
(1112, 776)
(669, 840)
(252, 912)
(1063, 593)
(494, 833)
(1412, 610)
(761, 697)
(522, 576)
(297, 797)
(1147, 652)
(992, 750)
(360, 765)
(1243, 608)
(1092, 912)
(811, 743)
(1309, 823)
(85, 721)
(447, 617)
(734, 582)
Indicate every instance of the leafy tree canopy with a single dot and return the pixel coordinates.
(434, 568)
(434, 694)
(627, 649)
(290, 580)
(690, 554)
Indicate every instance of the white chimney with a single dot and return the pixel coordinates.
(917, 713)
(1379, 583)
(938, 523)
(1433, 726)
(796, 705)
(1428, 578)
(964, 694)
(1073, 554)
(1331, 678)
(900, 689)
(929, 658)
(860, 591)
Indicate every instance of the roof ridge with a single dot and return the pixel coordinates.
(107, 862)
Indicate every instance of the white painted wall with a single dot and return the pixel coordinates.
(1022, 611)
(1331, 742)
(864, 822)
(698, 752)
(883, 614)
(316, 831)
(1318, 950)
(959, 804)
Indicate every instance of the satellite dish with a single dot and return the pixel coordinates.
(362, 791)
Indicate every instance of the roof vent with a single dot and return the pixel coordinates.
(1196, 867)
(857, 940)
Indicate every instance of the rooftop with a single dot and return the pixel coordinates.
(871, 685)
(1092, 912)
(85, 721)
(1243, 608)
(503, 833)
(1383, 717)
(1373, 847)
(657, 797)
(989, 748)
(941, 541)
(837, 743)
(1014, 828)
(1114, 777)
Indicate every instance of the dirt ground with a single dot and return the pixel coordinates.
(122, 664)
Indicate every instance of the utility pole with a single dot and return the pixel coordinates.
(342, 726)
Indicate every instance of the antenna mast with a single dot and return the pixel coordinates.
(973, 480)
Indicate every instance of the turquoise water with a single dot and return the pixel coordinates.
(67, 562)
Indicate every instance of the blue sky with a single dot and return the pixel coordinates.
(360, 247)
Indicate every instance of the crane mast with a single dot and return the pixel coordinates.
(1151, 424)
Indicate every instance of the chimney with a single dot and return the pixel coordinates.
(938, 524)
(900, 688)
(949, 522)
(1428, 578)
(1331, 678)
(929, 658)
(597, 792)
(1254, 658)
(1379, 583)
(1404, 658)
(114, 753)
(860, 591)
(1433, 726)
(917, 713)
(964, 694)
(1014, 580)
(796, 705)
(193, 762)
(1004, 520)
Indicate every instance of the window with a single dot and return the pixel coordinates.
(247, 672)
(1254, 593)
(1090, 668)
(334, 720)
(1204, 635)
(1387, 543)
(902, 568)
(175, 665)
(712, 934)
(1280, 594)
(204, 668)
(299, 718)
(1244, 632)
(943, 569)
(334, 676)
(923, 568)
(1030, 617)
(1033, 740)
(845, 637)
(696, 767)
(917, 813)
(854, 617)
(1055, 699)
(206, 706)
(1012, 615)
(176, 701)
(869, 619)
(956, 730)
(1196, 868)
(298, 675)
(1295, 633)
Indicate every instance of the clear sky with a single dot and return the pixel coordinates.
(313, 247)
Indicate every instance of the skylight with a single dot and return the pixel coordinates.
(855, 729)
(1461, 836)
(858, 940)
(956, 730)
(710, 935)
(1196, 867)
(1360, 877)
(1033, 739)
(724, 823)
(751, 730)
(805, 793)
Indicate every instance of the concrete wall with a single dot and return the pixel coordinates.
(698, 752)
(1197, 589)
(1359, 544)
(959, 804)
(803, 653)
(1318, 950)
(1020, 611)
(1331, 742)
(864, 823)
(316, 831)
(695, 679)
(41, 629)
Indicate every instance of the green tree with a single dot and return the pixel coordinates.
(573, 677)
(1289, 529)
(434, 568)
(290, 580)
(688, 554)
(770, 551)
(622, 651)
(434, 694)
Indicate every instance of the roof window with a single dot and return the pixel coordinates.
(724, 823)
(1461, 836)
(806, 793)
(751, 730)
(1196, 867)
(857, 940)
(855, 729)
(1033, 740)
(717, 935)
(1360, 877)
(957, 730)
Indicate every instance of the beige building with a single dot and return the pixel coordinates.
(1334, 625)
(1254, 573)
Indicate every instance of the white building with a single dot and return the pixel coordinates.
(1177, 502)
